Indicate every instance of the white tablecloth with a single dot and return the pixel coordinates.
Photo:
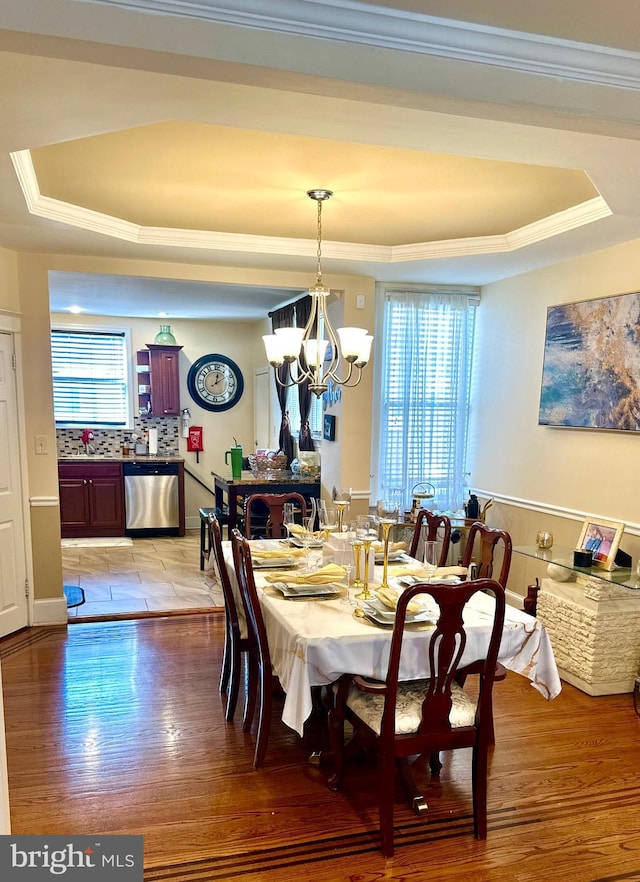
(313, 642)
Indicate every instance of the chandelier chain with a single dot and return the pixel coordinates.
(319, 252)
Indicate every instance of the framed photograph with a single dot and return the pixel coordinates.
(329, 427)
(602, 539)
(592, 365)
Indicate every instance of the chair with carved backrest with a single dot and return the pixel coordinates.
(423, 717)
(438, 527)
(261, 680)
(489, 539)
(271, 506)
(236, 642)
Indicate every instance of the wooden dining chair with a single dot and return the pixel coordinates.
(438, 528)
(483, 551)
(271, 506)
(402, 719)
(236, 643)
(261, 682)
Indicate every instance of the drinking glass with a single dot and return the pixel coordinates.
(341, 499)
(307, 538)
(365, 594)
(387, 512)
(328, 519)
(430, 558)
(289, 511)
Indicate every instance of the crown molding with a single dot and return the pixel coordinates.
(349, 21)
(118, 228)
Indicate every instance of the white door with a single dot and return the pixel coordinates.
(262, 408)
(13, 601)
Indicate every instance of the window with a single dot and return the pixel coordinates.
(293, 406)
(423, 391)
(90, 377)
(293, 403)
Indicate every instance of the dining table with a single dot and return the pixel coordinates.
(314, 640)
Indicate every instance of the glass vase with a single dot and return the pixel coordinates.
(165, 337)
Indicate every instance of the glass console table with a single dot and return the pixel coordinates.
(563, 557)
(593, 622)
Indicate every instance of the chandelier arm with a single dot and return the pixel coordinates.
(287, 385)
(331, 375)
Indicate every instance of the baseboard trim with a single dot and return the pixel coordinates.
(50, 611)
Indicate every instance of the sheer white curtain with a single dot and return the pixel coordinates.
(427, 343)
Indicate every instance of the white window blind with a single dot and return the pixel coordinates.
(427, 344)
(90, 377)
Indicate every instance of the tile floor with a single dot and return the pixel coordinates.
(152, 575)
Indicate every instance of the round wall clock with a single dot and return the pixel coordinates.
(215, 382)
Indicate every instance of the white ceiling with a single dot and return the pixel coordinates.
(508, 83)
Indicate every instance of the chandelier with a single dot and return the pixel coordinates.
(308, 348)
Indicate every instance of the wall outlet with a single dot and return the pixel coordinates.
(41, 444)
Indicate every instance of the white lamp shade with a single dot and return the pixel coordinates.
(350, 341)
(314, 351)
(290, 341)
(365, 350)
(273, 347)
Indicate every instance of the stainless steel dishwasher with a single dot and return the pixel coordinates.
(151, 498)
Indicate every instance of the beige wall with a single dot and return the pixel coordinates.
(546, 478)
(9, 296)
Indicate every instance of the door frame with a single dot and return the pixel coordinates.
(10, 324)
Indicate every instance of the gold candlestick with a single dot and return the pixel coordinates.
(365, 594)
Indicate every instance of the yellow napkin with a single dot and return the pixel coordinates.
(296, 528)
(323, 576)
(390, 599)
(267, 553)
(378, 547)
(419, 571)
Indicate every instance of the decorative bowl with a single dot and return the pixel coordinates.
(260, 463)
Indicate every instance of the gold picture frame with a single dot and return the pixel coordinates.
(602, 538)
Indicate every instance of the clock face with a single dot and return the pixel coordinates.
(215, 382)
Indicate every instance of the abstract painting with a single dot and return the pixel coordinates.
(591, 373)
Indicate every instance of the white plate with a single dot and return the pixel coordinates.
(293, 540)
(393, 556)
(385, 617)
(273, 563)
(306, 590)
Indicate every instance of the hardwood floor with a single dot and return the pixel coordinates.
(117, 727)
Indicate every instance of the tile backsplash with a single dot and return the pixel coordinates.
(109, 441)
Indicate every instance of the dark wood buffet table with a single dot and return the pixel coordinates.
(236, 489)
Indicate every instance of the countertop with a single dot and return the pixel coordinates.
(116, 457)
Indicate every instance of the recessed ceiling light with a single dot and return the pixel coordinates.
(163, 315)
(75, 309)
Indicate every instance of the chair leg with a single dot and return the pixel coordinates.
(203, 541)
(235, 665)
(479, 784)
(264, 718)
(417, 800)
(251, 689)
(386, 796)
(226, 659)
(434, 764)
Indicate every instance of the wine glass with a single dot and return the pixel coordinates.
(307, 538)
(387, 511)
(430, 558)
(341, 499)
(328, 519)
(357, 532)
(365, 594)
(289, 516)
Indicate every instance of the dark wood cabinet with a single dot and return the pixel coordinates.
(91, 499)
(159, 380)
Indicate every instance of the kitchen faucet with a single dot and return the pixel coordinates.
(87, 438)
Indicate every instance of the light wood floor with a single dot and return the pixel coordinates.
(118, 727)
(149, 577)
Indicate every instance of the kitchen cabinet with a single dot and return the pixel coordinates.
(158, 380)
(91, 499)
